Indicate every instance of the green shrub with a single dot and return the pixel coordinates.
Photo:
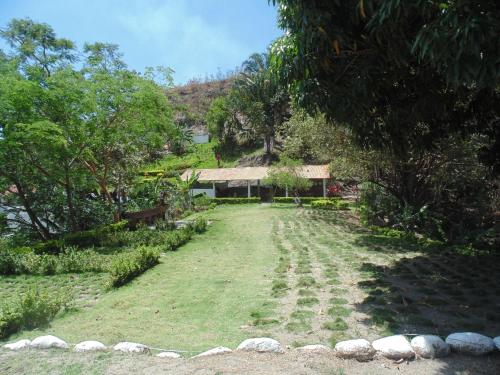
(25, 261)
(98, 236)
(29, 310)
(306, 200)
(199, 225)
(330, 204)
(127, 266)
(202, 200)
(235, 200)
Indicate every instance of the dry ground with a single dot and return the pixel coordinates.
(68, 363)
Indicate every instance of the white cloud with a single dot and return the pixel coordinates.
(180, 38)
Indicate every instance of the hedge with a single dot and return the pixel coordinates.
(235, 200)
(306, 200)
(326, 204)
(127, 266)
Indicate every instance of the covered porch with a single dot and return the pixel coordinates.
(249, 181)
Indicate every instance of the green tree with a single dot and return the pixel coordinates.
(261, 99)
(286, 175)
(66, 133)
(379, 68)
(36, 46)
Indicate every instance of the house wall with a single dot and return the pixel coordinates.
(200, 138)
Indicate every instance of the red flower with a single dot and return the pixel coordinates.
(334, 190)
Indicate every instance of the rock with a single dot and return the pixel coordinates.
(261, 344)
(168, 355)
(394, 347)
(315, 348)
(359, 349)
(89, 346)
(46, 342)
(470, 343)
(214, 351)
(18, 345)
(131, 347)
(430, 346)
(496, 341)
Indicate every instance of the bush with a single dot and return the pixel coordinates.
(127, 266)
(25, 261)
(93, 237)
(27, 311)
(306, 200)
(199, 225)
(235, 200)
(330, 204)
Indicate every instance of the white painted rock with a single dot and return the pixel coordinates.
(496, 341)
(261, 344)
(89, 346)
(214, 351)
(131, 347)
(470, 343)
(314, 348)
(18, 345)
(359, 349)
(394, 347)
(47, 342)
(168, 355)
(430, 346)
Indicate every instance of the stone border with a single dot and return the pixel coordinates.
(395, 347)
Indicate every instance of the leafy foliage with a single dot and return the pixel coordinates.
(330, 204)
(72, 137)
(379, 68)
(285, 175)
(129, 265)
(30, 310)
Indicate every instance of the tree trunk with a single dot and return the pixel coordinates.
(69, 201)
(36, 224)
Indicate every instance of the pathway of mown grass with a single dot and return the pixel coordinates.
(197, 297)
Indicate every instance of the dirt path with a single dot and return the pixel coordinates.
(293, 362)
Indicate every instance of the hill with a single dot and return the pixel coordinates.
(191, 101)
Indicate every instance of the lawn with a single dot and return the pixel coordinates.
(197, 297)
(300, 275)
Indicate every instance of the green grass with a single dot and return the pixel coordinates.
(305, 281)
(307, 301)
(84, 288)
(196, 298)
(337, 325)
(298, 326)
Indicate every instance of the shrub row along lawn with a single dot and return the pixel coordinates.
(123, 255)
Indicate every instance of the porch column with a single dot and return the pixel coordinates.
(324, 188)
(248, 185)
(286, 191)
(213, 188)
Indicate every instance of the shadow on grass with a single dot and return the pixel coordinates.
(437, 292)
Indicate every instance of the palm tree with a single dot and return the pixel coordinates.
(262, 101)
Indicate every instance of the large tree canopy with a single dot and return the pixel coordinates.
(71, 137)
(409, 80)
(381, 67)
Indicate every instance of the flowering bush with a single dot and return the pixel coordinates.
(334, 190)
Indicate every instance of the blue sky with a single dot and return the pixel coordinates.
(194, 37)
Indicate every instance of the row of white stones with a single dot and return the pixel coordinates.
(393, 347)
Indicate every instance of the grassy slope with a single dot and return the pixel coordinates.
(197, 298)
(199, 156)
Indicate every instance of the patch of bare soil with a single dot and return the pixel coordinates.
(293, 362)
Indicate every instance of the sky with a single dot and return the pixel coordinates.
(196, 38)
